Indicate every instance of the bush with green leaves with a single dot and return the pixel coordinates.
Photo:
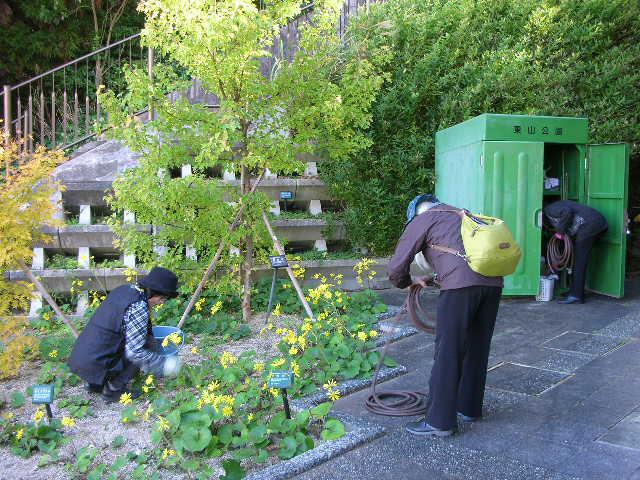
(25, 439)
(224, 406)
(450, 61)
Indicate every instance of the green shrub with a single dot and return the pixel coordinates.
(451, 61)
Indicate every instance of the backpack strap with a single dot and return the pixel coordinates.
(442, 249)
(461, 213)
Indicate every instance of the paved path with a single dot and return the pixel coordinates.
(562, 401)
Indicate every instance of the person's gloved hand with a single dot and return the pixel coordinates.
(558, 236)
(171, 367)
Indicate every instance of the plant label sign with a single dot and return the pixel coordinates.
(286, 195)
(42, 394)
(279, 261)
(281, 379)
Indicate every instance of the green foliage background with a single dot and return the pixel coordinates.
(40, 34)
(453, 60)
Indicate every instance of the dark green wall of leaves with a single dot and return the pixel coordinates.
(452, 60)
(37, 35)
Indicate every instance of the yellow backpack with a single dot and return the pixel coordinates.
(489, 247)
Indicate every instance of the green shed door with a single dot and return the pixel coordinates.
(513, 178)
(606, 191)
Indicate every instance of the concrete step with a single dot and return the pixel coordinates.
(106, 279)
(101, 238)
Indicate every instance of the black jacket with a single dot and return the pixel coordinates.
(575, 219)
(99, 350)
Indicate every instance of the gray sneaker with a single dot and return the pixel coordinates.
(422, 428)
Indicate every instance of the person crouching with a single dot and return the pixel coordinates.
(118, 342)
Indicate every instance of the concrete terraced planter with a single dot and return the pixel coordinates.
(58, 280)
(101, 238)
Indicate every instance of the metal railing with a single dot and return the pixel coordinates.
(59, 108)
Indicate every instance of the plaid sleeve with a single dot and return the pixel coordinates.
(135, 322)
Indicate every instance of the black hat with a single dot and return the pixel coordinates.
(162, 281)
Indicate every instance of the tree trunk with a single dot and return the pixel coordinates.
(247, 266)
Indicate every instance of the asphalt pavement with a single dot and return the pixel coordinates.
(562, 400)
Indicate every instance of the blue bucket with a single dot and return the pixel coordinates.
(160, 333)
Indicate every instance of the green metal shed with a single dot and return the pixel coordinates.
(497, 165)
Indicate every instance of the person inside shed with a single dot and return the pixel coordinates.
(467, 308)
(585, 225)
(117, 342)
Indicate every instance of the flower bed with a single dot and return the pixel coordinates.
(219, 416)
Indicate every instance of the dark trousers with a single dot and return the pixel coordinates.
(581, 251)
(466, 317)
(119, 380)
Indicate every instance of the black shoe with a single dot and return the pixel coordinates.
(465, 418)
(569, 300)
(421, 427)
(93, 388)
(109, 395)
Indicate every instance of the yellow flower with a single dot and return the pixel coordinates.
(333, 395)
(373, 333)
(330, 384)
(302, 341)
(213, 386)
(227, 359)
(316, 276)
(278, 363)
(125, 398)
(274, 392)
(149, 380)
(174, 338)
(258, 366)
(307, 327)
(362, 336)
(166, 453)
(286, 285)
(250, 417)
(163, 425)
(39, 415)
(194, 350)
(68, 422)
(199, 304)
(277, 312)
(145, 389)
(227, 411)
(53, 353)
(295, 368)
(8, 416)
(216, 308)
(46, 316)
(293, 351)
(19, 433)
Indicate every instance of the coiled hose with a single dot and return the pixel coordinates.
(559, 253)
(401, 403)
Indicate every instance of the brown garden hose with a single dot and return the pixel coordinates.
(559, 253)
(402, 403)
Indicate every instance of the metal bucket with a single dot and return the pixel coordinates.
(545, 290)
(160, 333)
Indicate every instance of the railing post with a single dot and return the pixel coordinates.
(150, 73)
(7, 125)
(7, 112)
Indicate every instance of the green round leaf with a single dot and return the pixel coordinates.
(333, 430)
(195, 439)
(288, 448)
